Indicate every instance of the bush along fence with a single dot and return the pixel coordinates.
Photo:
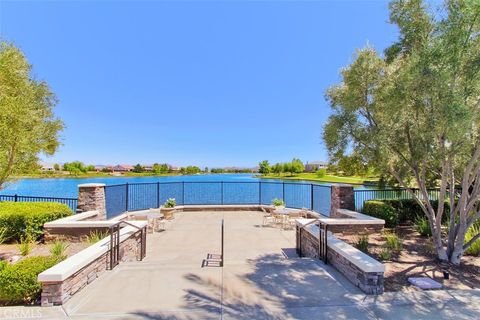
(71, 202)
(399, 194)
(140, 196)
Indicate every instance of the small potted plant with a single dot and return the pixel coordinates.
(168, 208)
(278, 203)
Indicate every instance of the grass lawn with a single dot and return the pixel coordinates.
(327, 178)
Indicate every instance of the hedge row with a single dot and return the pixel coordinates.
(396, 211)
(19, 219)
(18, 282)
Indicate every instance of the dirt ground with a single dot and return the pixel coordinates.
(417, 259)
(11, 253)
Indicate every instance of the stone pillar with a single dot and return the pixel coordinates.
(91, 196)
(342, 197)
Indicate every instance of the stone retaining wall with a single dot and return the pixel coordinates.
(57, 293)
(368, 282)
(72, 234)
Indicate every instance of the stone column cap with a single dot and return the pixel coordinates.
(91, 185)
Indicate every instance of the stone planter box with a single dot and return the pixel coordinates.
(168, 213)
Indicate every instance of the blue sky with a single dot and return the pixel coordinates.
(204, 83)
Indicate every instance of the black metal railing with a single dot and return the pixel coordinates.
(71, 202)
(322, 239)
(114, 246)
(140, 196)
(398, 193)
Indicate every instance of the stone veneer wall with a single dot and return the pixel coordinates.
(57, 293)
(91, 197)
(356, 228)
(341, 197)
(72, 234)
(368, 282)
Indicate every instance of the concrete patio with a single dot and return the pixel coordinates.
(262, 279)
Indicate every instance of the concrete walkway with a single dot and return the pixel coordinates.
(262, 279)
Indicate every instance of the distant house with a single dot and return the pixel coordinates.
(47, 167)
(148, 167)
(101, 167)
(173, 168)
(315, 165)
(122, 168)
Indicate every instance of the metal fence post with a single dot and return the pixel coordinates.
(283, 192)
(158, 194)
(183, 193)
(126, 196)
(16, 197)
(222, 192)
(260, 192)
(311, 196)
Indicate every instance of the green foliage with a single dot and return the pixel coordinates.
(321, 173)
(362, 243)
(409, 209)
(138, 168)
(28, 126)
(385, 254)
(56, 166)
(58, 249)
(381, 210)
(278, 202)
(75, 168)
(474, 249)
(96, 236)
(190, 170)
(3, 235)
(26, 245)
(393, 242)
(414, 114)
(18, 282)
(3, 264)
(264, 167)
(27, 218)
(278, 168)
(160, 168)
(423, 227)
(170, 203)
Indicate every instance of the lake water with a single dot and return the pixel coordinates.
(68, 187)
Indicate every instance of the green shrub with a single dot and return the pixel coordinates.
(385, 254)
(27, 218)
(3, 235)
(381, 210)
(58, 249)
(393, 242)
(362, 243)
(26, 244)
(18, 282)
(3, 264)
(423, 227)
(474, 249)
(278, 202)
(404, 210)
(321, 173)
(96, 236)
(170, 203)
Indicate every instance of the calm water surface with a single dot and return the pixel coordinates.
(68, 187)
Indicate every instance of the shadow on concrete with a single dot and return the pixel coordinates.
(265, 288)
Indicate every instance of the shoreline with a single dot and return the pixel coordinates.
(335, 179)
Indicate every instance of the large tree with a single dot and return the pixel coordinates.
(28, 126)
(415, 112)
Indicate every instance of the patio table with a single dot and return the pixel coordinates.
(154, 217)
(283, 214)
